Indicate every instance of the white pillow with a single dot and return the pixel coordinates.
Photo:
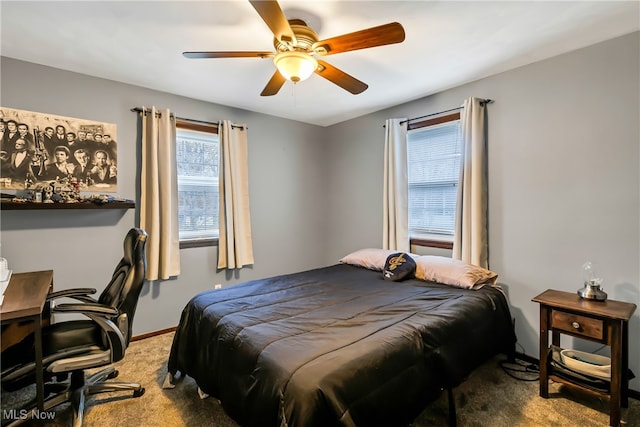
(371, 258)
(453, 272)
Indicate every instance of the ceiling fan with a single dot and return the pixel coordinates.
(297, 48)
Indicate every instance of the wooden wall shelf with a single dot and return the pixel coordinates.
(22, 206)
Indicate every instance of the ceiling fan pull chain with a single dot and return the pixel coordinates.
(293, 95)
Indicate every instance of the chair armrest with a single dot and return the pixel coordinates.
(80, 294)
(86, 308)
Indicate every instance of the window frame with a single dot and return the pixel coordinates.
(208, 128)
(433, 240)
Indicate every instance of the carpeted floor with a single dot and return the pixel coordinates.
(490, 397)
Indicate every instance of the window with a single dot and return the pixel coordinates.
(433, 156)
(197, 158)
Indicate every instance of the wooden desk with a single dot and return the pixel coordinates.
(24, 300)
(606, 322)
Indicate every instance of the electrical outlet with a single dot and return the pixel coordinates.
(217, 286)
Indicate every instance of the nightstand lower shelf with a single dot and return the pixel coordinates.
(590, 389)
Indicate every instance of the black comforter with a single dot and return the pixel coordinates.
(336, 345)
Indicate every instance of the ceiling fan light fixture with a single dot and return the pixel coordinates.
(295, 66)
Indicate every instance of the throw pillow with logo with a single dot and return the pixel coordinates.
(399, 266)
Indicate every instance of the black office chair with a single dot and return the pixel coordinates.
(70, 347)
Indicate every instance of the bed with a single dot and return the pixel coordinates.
(337, 345)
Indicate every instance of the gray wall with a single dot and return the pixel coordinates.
(564, 183)
(287, 164)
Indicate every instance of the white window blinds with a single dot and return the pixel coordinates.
(433, 155)
(197, 157)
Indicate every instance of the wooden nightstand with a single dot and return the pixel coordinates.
(606, 322)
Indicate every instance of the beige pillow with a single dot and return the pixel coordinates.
(371, 258)
(453, 272)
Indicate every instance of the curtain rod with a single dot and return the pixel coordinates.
(482, 102)
(139, 110)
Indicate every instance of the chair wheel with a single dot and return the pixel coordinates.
(61, 377)
(138, 393)
(55, 388)
(113, 374)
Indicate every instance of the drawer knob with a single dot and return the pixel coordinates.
(576, 325)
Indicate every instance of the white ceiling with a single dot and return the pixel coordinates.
(448, 43)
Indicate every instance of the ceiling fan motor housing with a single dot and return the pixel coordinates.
(305, 38)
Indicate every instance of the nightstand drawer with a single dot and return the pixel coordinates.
(576, 324)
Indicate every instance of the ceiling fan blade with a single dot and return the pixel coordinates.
(272, 15)
(274, 85)
(339, 77)
(197, 55)
(376, 36)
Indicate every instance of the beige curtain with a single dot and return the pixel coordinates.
(235, 247)
(395, 233)
(159, 193)
(470, 242)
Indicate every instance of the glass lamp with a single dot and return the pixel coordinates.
(592, 282)
(295, 66)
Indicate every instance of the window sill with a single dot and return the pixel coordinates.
(199, 243)
(431, 242)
